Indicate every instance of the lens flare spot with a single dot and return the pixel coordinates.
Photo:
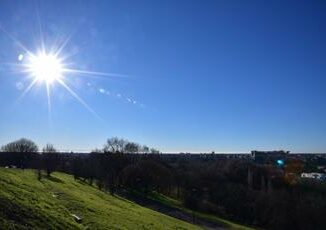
(20, 57)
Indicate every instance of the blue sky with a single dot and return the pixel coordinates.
(196, 75)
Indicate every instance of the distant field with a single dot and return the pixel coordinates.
(26, 203)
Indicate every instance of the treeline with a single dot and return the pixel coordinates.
(112, 145)
(120, 145)
(235, 189)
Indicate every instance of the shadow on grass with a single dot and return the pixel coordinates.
(121, 198)
(84, 182)
(190, 217)
(18, 216)
(54, 179)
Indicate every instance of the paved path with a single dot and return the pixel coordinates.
(171, 211)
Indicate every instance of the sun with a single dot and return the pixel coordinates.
(49, 67)
(45, 67)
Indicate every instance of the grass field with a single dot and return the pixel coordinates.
(26, 203)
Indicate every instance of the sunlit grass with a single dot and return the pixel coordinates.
(48, 204)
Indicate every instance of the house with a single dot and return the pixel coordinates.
(315, 176)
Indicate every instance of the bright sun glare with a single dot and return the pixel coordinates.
(49, 68)
(45, 67)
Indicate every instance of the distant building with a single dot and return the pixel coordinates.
(316, 176)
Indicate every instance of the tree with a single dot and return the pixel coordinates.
(50, 158)
(145, 149)
(21, 152)
(114, 145)
(154, 151)
(96, 150)
(49, 148)
(146, 176)
(22, 145)
(132, 147)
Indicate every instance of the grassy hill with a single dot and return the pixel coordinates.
(26, 203)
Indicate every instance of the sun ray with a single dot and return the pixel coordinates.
(29, 87)
(49, 103)
(75, 95)
(40, 28)
(94, 73)
(12, 67)
(16, 41)
(47, 66)
(63, 45)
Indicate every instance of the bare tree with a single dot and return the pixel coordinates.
(132, 147)
(49, 148)
(22, 145)
(50, 158)
(22, 152)
(145, 149)
(154, 151)
(114, 145)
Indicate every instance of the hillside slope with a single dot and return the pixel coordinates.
(26, 203)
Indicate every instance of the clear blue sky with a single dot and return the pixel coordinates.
(200, 75)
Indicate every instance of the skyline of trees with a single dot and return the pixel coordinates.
(112, 145)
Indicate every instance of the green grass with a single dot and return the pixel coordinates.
(177, 204)
(26, 203)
